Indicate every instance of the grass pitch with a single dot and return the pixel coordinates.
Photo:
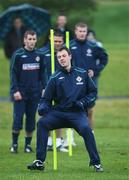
(111, 132)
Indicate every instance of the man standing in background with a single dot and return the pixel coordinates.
(62, 25)
(27, 80)
(14, 38)
(89, 56)
(46, 50)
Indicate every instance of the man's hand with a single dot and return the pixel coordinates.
(17, 96)
(43, 109)
(79, 105)
(90, 73)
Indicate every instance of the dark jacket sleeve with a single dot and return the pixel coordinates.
(91, 93)
(46, 101)
(102, 57)
(43, 73)
(14, 68)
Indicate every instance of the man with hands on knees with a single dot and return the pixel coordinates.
(72, 91)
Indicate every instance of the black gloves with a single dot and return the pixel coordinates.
(79, 105)
(43, 109)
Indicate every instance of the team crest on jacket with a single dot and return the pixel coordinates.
(79, 80)
(89, 52)
(37, 58)
(74, 47)
(48, 54)
(24, 56)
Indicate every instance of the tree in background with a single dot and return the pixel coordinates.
(75, 10)
(55, 6)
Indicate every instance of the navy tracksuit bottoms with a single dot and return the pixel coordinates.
(27, 107)
(56, 120)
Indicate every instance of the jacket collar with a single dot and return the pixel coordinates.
(65, 71)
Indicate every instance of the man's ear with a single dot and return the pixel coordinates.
(24, 40)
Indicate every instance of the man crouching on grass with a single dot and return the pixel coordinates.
(73, 91)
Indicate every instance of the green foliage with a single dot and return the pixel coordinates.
(54, 5)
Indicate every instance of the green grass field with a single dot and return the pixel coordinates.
(114, 78)
(111, 131)
(111, 122)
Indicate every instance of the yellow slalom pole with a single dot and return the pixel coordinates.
(67, 39)
(52, 71)
(69, 130)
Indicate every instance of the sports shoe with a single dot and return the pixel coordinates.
(28, 149)
(36, 165)
(62, 140)
(62, 149)
(66, 145)
(49, 148)
(98, 168)
(14, 148)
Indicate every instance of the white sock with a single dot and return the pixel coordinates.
(49, 142)
(58, 142)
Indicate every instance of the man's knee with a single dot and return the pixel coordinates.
(84, 130)
(41, 122)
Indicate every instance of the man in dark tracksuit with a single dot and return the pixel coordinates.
(46, 50)
(58, 43)
(27, 80)
(73, 91)
(89, 56)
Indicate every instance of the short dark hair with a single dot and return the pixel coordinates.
(57, 32)
(31, 32)
(66, 49)
(62, 13)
